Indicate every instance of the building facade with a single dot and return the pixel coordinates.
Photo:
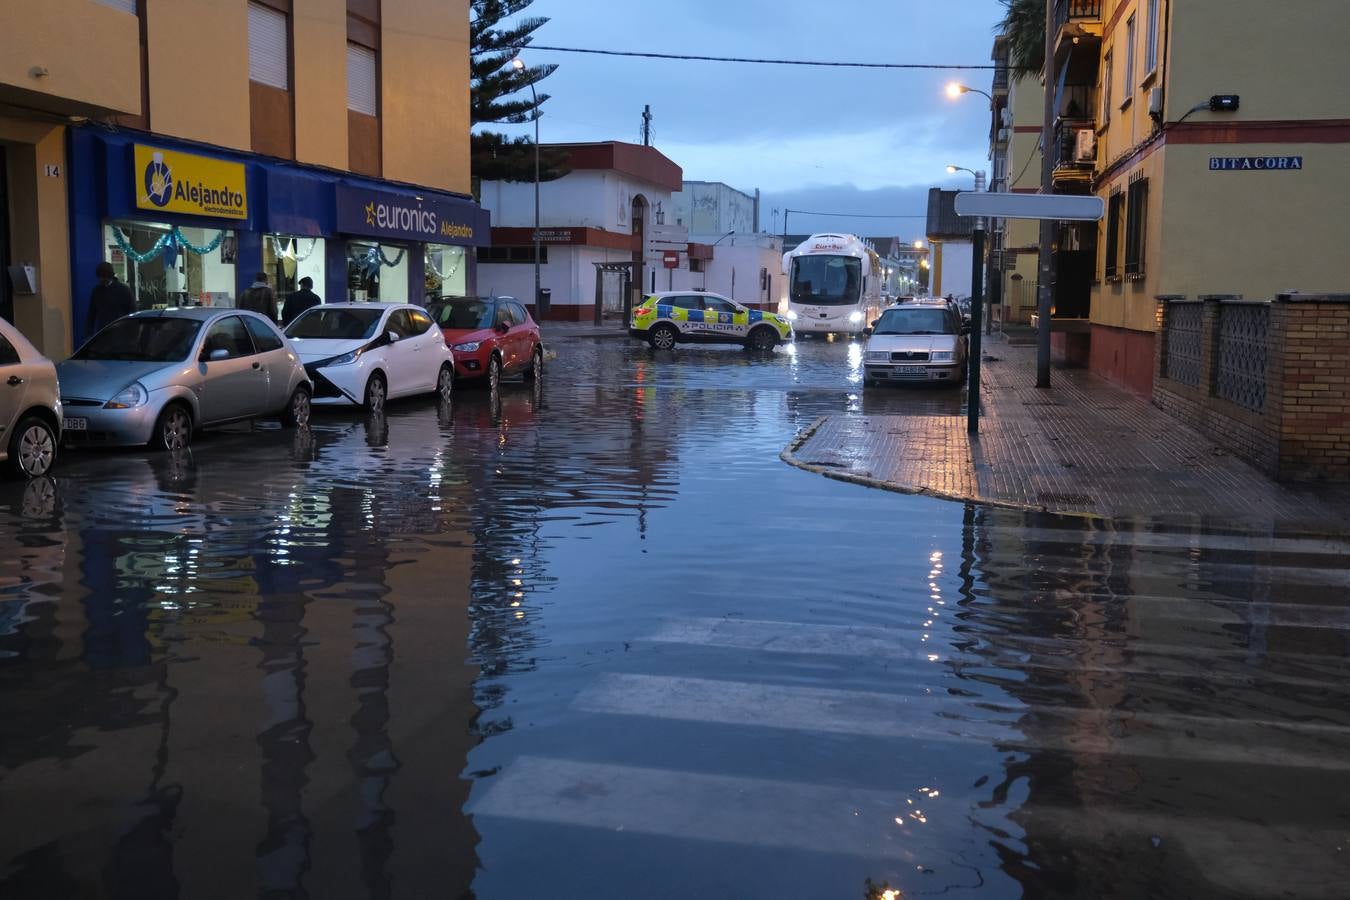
(195, 143)
(1212, 130)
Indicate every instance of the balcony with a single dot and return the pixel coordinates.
(1001, 77)
(1067, 11)
(1078, 22)
(1075, 145)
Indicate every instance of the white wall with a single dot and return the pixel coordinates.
(581, 199)
(744, 256)
(713, 207)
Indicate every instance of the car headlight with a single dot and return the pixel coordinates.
(345, 359)
(939, 355)
(877, 356)
(466, 347)
(792, 316)
(129, 397)
(855, 317)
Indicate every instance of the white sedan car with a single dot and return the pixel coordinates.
(367, 353)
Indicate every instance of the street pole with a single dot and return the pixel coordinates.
(976, 314)
(538, 293)
(1044, 299)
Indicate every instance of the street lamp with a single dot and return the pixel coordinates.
(979, 176)
(519, 65)
(918, 245)
(956, 89)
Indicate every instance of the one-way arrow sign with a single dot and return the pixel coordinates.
(1062, 207)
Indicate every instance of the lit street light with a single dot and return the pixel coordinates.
(519, 65)
(955, 89)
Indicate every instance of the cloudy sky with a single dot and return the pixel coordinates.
(830, 140)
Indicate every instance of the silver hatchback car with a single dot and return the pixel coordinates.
(155, 377)
(30, 406)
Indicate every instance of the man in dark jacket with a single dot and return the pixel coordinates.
(260, 298)
(109, 301)
(299, 301)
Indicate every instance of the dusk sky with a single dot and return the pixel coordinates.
(832, 140)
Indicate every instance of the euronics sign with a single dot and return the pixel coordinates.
(171, 181)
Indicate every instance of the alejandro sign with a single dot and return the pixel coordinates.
(434, 220)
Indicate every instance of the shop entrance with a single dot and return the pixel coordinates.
(6, 290)
(613, 290)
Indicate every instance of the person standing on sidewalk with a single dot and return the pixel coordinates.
(109, 301)
(299, 301)
(260, 298)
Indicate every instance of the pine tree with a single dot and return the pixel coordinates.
(495, 93)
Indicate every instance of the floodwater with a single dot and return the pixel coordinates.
(596, 640)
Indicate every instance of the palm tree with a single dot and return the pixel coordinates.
(1024, 24)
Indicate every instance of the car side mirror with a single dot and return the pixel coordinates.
(215, 355)
(868, 331)
(503, 328)
(393, 336)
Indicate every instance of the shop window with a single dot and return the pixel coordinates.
(377, 272)
(287, 259)
(1135, 218)
(445, 271)
(268, 57)
(173, 266)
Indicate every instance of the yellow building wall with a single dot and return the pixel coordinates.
(424, 92)
(91, 52)
(199, 70)
(1129, 122)
(1132, 303)
(320, 87)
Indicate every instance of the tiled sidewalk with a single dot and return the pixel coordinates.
(1083, 446)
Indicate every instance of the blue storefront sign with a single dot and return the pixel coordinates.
(433, 220)
(1255, 163)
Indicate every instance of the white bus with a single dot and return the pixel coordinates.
(834, 285)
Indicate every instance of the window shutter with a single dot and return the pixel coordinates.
(126, 6)
(267, 56)
(361, 80)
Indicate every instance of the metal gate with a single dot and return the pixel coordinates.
(613, 290)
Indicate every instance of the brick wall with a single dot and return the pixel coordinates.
(1302, 431)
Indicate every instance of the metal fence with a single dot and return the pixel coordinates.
(1068, 10)
(1185, 322)
(1243, 349)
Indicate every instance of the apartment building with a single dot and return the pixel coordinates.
(194, 143)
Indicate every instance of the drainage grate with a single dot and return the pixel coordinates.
(1064, 499)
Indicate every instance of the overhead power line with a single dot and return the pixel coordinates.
(753, 60)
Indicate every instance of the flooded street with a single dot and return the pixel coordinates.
(594, 639)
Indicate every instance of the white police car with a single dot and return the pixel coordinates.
(675, 317)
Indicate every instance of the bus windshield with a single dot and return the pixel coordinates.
(826, 280)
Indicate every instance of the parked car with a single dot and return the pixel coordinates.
(157, 377)
(676, 317)
(921, 341)
(30, 406)
(364, 354)
(491, 337)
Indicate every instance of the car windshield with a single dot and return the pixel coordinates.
(144, 339)
(826, 280)
(914, 321)
(463, 314)
(335, 324)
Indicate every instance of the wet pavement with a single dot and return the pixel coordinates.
(596, 640)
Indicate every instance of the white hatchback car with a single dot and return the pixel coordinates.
(367, 353)
(30, 406)
(920, 341)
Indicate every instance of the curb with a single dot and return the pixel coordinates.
(789, 456)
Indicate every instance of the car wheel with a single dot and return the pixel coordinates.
(663, 336)
(296, 414)
(494, 372)
(377, 392)
(173, 429)
(32, 448)
(445, 382)
(762, 339)
(536, 369)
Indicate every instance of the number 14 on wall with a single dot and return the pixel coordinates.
(51, 171)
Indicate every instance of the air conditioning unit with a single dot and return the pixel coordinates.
(1005, 117)
(1155, 102)
(1085, 146)
(1003, 135)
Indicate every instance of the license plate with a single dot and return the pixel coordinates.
(75, 424)
(913, 370)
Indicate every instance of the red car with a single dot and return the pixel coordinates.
(490, 337)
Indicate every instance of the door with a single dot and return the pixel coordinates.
(6, 296)
(401, 356)
(275, 360)
(724, 318)
(501, 324)
(13, 387)
(234, 387)
(425, 338)
(521, 344)
(691, 322)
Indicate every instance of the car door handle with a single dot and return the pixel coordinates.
(14, 381)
